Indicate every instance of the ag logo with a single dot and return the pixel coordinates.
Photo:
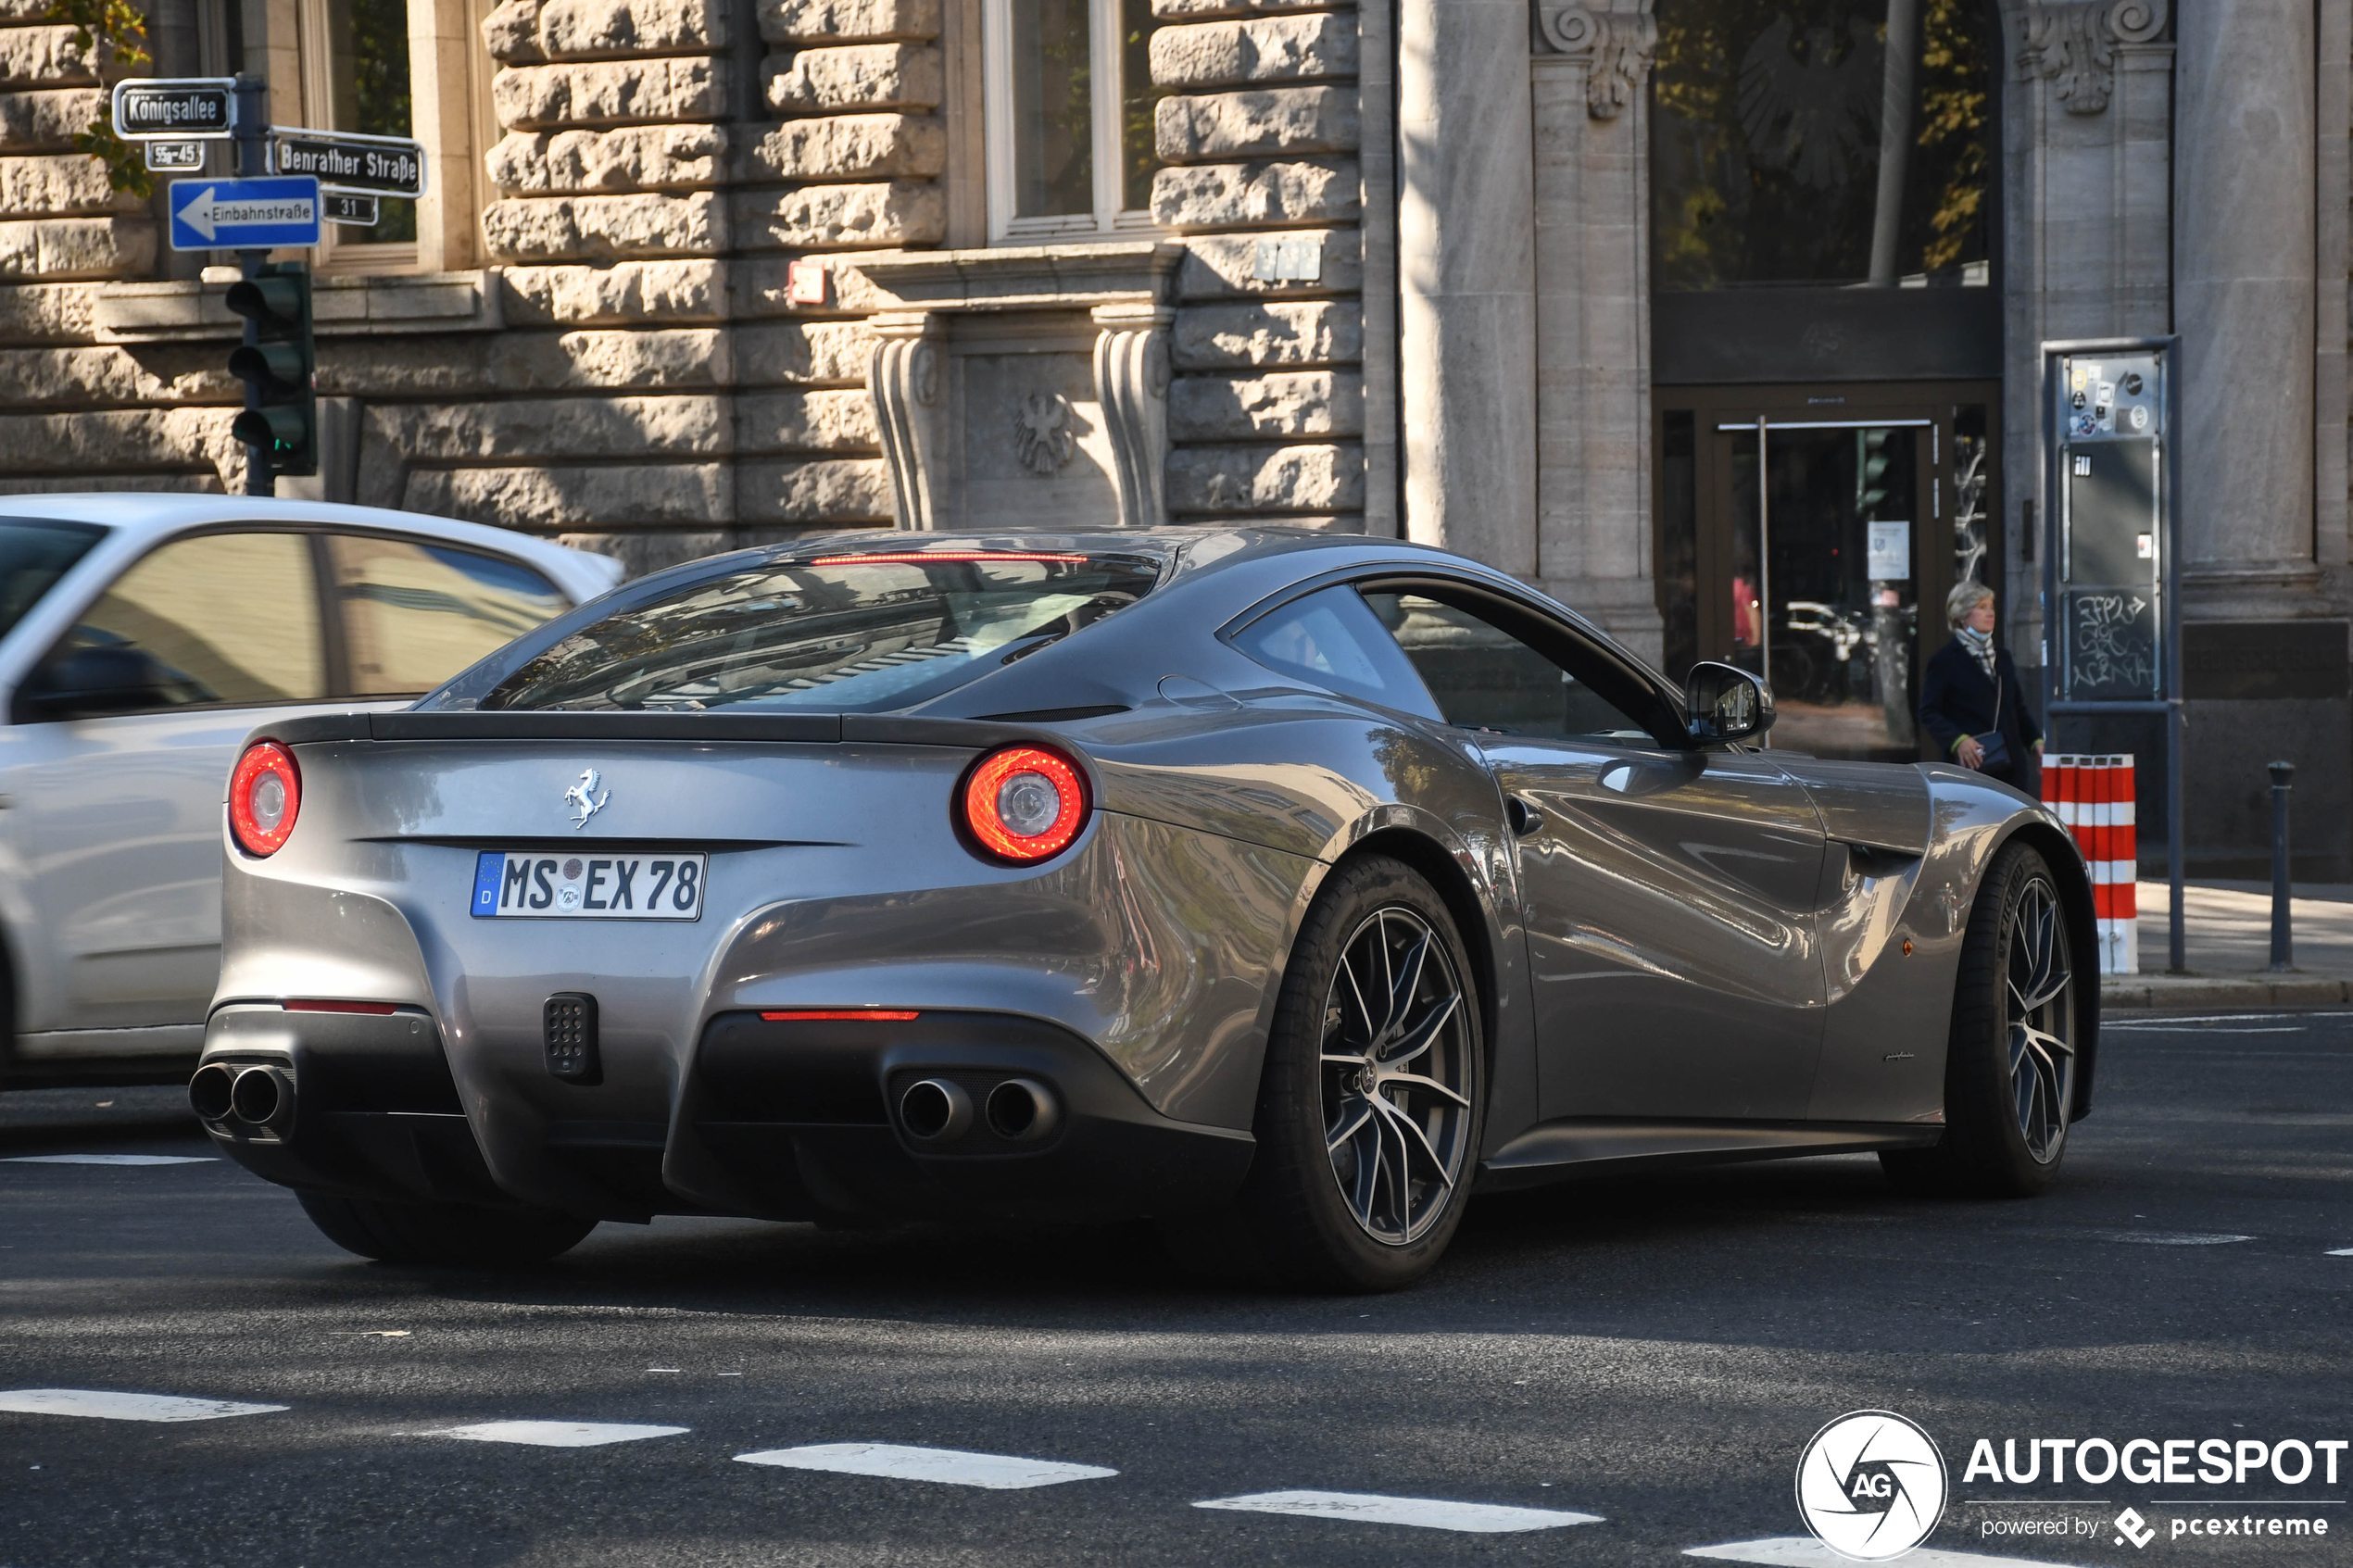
(1871, 1485)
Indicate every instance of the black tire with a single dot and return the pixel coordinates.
(455, 1234)
(2009, 1065)
(1293, 1225)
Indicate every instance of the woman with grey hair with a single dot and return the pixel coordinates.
(1971, 701)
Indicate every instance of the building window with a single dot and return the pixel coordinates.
(1802, 148)
(355, 69)
(1069, 116)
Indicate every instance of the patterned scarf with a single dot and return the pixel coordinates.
(1980, 647)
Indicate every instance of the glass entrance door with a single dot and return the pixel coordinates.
(1811, 532)
(1821, 572)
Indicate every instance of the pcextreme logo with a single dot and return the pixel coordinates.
(1871, 1485)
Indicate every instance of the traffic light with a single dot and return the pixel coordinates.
(277, 362)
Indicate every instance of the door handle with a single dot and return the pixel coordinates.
(1524, 819)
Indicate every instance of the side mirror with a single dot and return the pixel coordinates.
(90, 683)
(1726, 703)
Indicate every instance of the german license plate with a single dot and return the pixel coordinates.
(515, 885)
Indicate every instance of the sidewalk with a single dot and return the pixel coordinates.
(2228, 948)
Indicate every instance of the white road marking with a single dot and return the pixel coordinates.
(110, 1160)
(2341, 1252)
(1804, 1552)
(556, 1433)
(106, 1405)
(1428, 1513)
(996, 1472)
(2170, 1238)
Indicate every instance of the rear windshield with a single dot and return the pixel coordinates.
(32, 556)
(835, 634)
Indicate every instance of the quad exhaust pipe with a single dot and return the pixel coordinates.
(243, 1097)
(940, 1112)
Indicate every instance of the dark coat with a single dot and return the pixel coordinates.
(1956, 699)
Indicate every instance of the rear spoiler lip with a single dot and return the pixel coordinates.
(461, 724)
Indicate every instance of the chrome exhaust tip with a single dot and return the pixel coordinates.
(209, 1092)
(935, 1110)
(1023, 1111)
(261, 1097)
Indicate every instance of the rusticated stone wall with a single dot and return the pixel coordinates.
(1260, 134)
(631, 369)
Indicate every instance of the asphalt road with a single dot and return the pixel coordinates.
(1655, 1352)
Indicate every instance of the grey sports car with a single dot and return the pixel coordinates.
(1286, 888)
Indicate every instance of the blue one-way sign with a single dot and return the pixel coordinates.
(237, 214)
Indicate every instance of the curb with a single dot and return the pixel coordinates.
(2124, 992)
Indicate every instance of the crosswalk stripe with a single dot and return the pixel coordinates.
(1429, 1513)
(556, 1433)
(108, 1159)
(106, 1405)
(1804, 1552)
(996, 1472)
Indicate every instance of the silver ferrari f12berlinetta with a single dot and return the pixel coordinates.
(1286, 888)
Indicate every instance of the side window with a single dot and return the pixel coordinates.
(1484, 678)
(233, 617)
(415, 614)
(1330, 639)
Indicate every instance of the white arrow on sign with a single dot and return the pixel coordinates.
(208, 217)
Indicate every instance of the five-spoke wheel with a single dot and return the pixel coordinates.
(1396, 1072)
(2010, 1060)
(1371, 1102)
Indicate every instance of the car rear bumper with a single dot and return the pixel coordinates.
(787, 1118)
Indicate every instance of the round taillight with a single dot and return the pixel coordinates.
(1024, 804)
(265, 793)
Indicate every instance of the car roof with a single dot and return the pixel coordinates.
(142, 516)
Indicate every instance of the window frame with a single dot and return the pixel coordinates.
(329, 634)
(1510, 612)
(1109, 217)
(335, 645)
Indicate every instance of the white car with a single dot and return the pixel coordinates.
(141, 637)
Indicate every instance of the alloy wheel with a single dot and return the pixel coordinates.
(2039, 1018)
(1396, 1075)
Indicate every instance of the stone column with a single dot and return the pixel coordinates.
(2244, 302)
(1131, 383)
(2087, 193)
(1592, 314)
(903, 378)
(1465, 247)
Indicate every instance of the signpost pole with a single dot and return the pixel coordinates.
(249, 125)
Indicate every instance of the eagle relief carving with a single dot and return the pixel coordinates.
(1045, 432)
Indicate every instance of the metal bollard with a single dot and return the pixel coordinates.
(2283, 933)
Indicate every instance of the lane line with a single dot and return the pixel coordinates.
(106, 1405)
(1804, 1552)
(556, 1433)
(2169, 1238)
(953, 1466)
(109, 1159)
(2341, 1252)
(1428, 1513)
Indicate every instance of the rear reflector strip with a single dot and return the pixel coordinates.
(379, 1009)
(838, 1016)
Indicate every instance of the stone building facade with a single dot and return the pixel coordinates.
(697, 273)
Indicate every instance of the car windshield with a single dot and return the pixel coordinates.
(33, 554)
(835, 634)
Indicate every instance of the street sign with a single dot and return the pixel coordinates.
(243, 214)
(360, 210)
(353, 165)
(166, 158)
(173, 107)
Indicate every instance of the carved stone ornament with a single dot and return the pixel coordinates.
(1616, 45)
(2073, 45)
(1043, 434)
